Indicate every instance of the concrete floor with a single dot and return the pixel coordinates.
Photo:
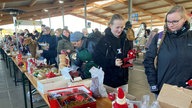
(11, 96)
(138, 85)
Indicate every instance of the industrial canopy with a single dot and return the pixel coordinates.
(152, 12)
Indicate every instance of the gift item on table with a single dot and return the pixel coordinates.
(114, 90)
(145, 101)
(40, 70)
(97, 87)
(63, 60)
(189, 82)
(112, 96)
(155, 104)
(71, 97)
(120, 101)
(33, 64)
(85, 82)
(70, 73)
(41, 62)
(42, 73)
(19, 58)
(51, 83)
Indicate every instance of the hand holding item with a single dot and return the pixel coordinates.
(45, 47)
(39, 51)
(118, 62)
(65, 51)
(68, 51)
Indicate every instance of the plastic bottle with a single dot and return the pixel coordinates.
(155, 104)
(145, 101)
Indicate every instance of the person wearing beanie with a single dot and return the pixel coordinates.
(84, 49)
(76, 36)
(120, 101)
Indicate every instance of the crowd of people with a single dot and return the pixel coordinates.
(107, 50)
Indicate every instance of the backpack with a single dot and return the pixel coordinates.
(95, 36)
(86, 57)
(159, 42)
(130, 34)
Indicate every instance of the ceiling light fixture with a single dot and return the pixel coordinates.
(45, 10)
(61, 1)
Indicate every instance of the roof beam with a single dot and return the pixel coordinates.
(99, 16)
(55, 1)
(89, 19)
(144, 3)
(3, 5)
(154, 24)
(40, 11)
(33, 2)
(142, 10)
(103, 7)
(50, 6)
(157, 7)
(1, 1)
(171, 2)
(95, 6)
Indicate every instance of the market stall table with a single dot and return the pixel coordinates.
(101, 102)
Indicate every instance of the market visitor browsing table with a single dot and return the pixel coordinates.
(100, 102)
(26, 77)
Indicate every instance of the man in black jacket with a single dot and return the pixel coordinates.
(49, 51)
(84, 49)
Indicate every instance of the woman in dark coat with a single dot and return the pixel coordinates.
(173, 52)
(110, 51)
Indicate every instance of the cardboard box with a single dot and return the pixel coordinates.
(68, 96)
(85, 82)
(174, 97)
(51, 83)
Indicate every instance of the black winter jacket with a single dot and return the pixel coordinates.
(174, 59)
(87, 45)
(106, 52)
(51, 40)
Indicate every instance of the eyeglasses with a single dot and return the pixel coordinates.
(174, 22)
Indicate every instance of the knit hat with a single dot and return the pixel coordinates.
(76, 36)
(121, 96)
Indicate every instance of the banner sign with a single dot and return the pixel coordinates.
(134, 18)
(29, 22)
